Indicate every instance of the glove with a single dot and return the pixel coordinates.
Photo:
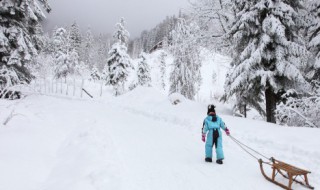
(203, 137)
(227, 131)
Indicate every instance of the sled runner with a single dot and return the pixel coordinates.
(286, 170)
(278, 167)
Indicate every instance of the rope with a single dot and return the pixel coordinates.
(245, 147)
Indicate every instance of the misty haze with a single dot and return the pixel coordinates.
(101, 15)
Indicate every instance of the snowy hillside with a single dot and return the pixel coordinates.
(98, 111)
(137, 141)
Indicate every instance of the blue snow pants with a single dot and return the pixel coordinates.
(214, 136)
(214, 141)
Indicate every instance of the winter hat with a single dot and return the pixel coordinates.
(211, 108)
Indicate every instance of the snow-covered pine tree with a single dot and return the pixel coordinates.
(143, 72)
(299, 110)
(75, 37)
(39, 37)
(19, 38)
(43, 66)
(87, 54)
(268, 49)
(66, 58)
(303, 109)
(47, 45)
(100, 55)
(314, 38)
(165, 43)
(185, 77)
(73, 62)
(151, 40)
(61, 52)
(118, 60)
(136, 48)
(105, 76)
(121, 35)
(118, 63)
(163, 68)
(62, 68)
(95, 75)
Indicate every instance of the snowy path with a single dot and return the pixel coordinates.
(84, 145)
(161, 155)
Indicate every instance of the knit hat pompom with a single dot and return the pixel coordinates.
(211, 108)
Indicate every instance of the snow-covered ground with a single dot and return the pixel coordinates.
(57, 141)
(137, 141)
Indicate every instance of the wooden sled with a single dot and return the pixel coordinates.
(286, 170)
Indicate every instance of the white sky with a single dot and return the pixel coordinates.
(101, 15)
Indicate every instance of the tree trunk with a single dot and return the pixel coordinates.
(82, 83)
(243, 109)
(101, 86)
(271, 104)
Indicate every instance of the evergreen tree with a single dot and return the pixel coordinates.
(118, 63)
(61, 52)
(75, 37)
(121, 35)
(48, 47)
(148, 39)
(105, 75)
(95, 75)
(118, 60)
(43, 66)
(101, 52)
(163, 68)
(267, 51)
(314, 38)
(303, 109)
(299, 110)
(75, 66)
(20, 38)
(143, 71)
(131, 48)
(165, 43)
(60, 40)
(144, 40)
(185, 77)
(151, 40)
(88, 49)
(137, 47)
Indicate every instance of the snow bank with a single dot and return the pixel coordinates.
(176, 98)
(138, 141)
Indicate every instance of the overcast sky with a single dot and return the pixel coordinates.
(101, 15)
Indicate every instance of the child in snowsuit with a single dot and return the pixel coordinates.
(211, 128)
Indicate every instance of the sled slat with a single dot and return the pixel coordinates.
(289, 168)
